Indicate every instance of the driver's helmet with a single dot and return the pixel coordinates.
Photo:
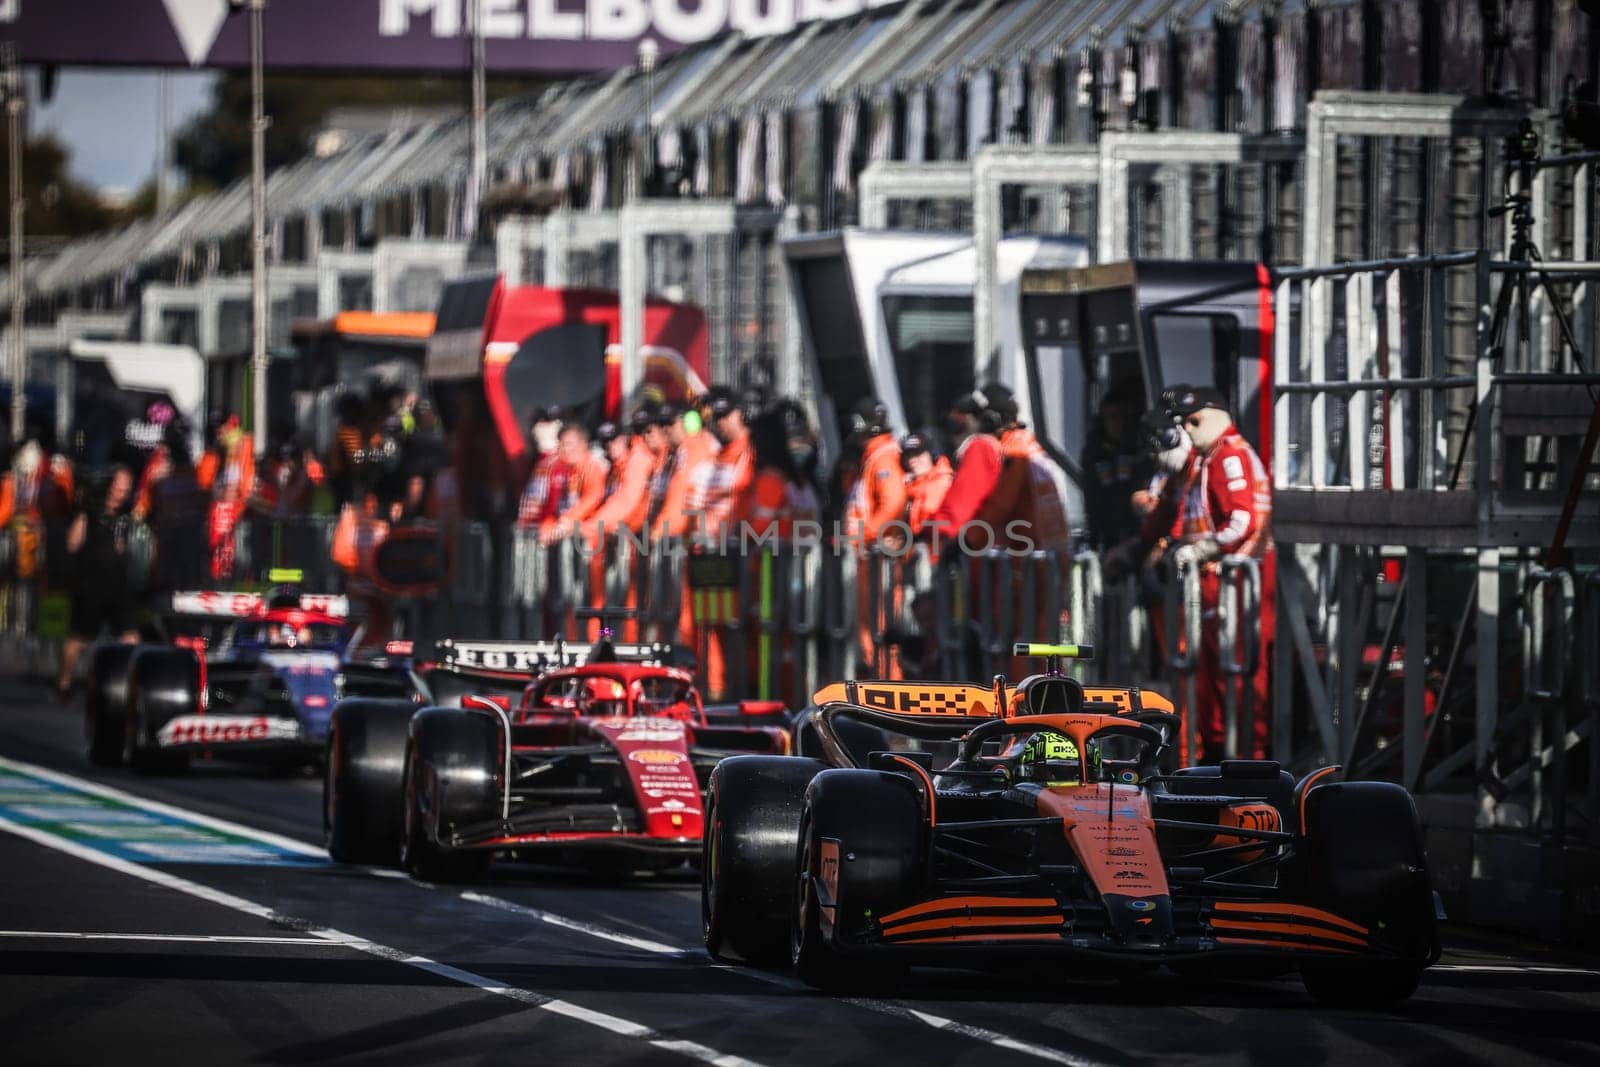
(605, 696)
(1049, 758)
(283, 636)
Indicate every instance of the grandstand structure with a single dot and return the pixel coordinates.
(1427, 426)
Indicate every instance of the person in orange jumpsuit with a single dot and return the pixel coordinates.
(626, 503)
(653, 425)
(877, 499)
(693, 446)
(927, 481)
(39, 489)
(1228, 512)
(784, 495)
(721, 494)
(232, 481)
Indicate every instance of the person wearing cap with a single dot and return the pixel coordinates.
(720, 496)
(720, 490)
(1031, 489)
(627, 494)
(655, 426)
(584, 488)
(927, 480)
(547, 475)
(877, 497)
(693, 446)
(972, 424)
(1230, 501)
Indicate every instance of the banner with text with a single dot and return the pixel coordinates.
(521, 36)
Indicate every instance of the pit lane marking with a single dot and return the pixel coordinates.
(1508, 968)
(880, 1007)
(574, 925)
(612, 1023)
(203, 939)
(135, 828)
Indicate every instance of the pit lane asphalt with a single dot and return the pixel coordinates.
(192, 980)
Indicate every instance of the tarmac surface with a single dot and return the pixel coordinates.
(196, 919)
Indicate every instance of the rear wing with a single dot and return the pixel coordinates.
(533, 657)
(212, 604)
(957, 699)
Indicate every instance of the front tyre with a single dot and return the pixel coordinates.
(420, 852)
(862, 846)
(1365, 862)
(747, 859)
(105, 708)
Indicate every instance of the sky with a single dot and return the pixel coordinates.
(110, 120)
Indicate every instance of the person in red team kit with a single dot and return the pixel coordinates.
(973, 425)
(1230, 499)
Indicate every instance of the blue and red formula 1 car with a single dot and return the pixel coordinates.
(240, 676)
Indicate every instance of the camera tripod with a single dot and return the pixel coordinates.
(1523, 165)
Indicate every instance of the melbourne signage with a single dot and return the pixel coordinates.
(521, 36)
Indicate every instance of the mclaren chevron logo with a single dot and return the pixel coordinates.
(197, 23)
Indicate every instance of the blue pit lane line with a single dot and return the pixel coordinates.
(135, 829)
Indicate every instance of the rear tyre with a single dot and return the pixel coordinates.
(871, 824)
(164, 683)
(363, 780)
(105, 718)
(752, 833)
(1365, 862)
(449, 785)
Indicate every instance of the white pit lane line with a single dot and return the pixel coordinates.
(612, 1023)
(187, 939)
(881, 1007)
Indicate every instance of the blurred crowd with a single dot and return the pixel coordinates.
(1173, 487)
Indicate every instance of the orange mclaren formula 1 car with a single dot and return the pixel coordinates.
(944, 823)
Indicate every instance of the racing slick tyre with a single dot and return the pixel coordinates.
(752, 833)
(1365, 862)
(105, 708)
(163, 683)
(450, 778)
(363, 780)
(863, 843)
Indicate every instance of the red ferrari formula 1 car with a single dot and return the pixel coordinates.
(956, 824)
(602, 762)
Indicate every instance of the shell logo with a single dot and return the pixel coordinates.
(656, 757)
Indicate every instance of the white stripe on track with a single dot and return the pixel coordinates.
(1509, 968)
(574, 925)
(880, 1007)
(166, 880)
(897, 1010)
(203, 939)
(83, 785)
